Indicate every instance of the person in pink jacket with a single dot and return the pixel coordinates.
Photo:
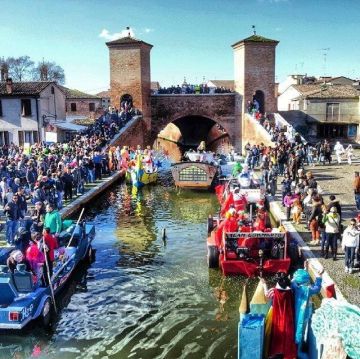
(288, 201)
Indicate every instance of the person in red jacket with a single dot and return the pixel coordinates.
(50, 245)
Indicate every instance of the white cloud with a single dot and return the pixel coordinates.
(147, 30)
(278, 29)
(105, 34)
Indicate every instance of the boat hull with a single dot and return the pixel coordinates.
(250, 269)
(194, 175)
(29, 305)
(143, 179)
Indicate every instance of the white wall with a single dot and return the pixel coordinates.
(286, 98)
(12, 120)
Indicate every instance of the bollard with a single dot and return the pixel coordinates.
(163, 234)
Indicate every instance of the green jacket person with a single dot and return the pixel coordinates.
(52, 219)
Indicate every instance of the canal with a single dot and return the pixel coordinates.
(143, 297)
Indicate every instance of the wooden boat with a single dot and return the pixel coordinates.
(194, 175)
(141, 176)
(22, 300)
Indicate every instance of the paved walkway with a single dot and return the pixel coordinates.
(336, 179)
(70, 206)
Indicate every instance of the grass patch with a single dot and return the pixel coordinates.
(352, 281)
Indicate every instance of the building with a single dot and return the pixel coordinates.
(322, 110)
(130, 74)
(218, 84)
(26, 108)
(254, 71)
(105, 99)
(81, 105)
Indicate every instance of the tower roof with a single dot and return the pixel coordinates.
(128, 40)
(256, 39)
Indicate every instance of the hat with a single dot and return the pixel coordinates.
(39, 203)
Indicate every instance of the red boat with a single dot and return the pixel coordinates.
(241, 240)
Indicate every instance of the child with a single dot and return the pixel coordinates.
(296, 211)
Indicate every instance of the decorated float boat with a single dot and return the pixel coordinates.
(140, 174)
(241, 239)
(199, 172)
(25, 298)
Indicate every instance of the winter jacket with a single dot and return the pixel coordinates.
(350, 237)
(12, 211)
(53, 221)
(332, 223)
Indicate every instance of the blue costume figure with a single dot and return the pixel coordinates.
(303, 290)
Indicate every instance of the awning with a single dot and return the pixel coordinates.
(66, 126)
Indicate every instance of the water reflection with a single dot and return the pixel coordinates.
(141, 298)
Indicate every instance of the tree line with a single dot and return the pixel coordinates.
(24, 69)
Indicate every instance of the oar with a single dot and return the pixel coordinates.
(48, 275)
(77, 223)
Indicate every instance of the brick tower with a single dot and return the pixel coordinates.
(130, 73)
(254, 71)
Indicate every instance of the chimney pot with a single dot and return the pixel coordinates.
(9, 86)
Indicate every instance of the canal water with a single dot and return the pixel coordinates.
(143, 297)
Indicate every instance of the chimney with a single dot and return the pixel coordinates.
(43, 71)
(4, 71)
(9, 86)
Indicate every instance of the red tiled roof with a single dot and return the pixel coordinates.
(28, 88)
(126, 41)
(256, 38)
(327, 91)
(76, 94)
(104, 94)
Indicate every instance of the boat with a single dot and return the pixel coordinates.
(194, 175)
(198, 171)
(141, 175)
(23, 301)
(240, 239)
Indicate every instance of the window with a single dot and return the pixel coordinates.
(26, 107)
(193, 173)
(332, 111)
(91, 107)
(35, 136)
(1, 109)
(4, 138)
(52, 90)
(73, 107)
(21, 138)
(28, 137)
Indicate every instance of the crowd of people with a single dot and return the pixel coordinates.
(48, 174)
(302, 198)
(191, 89)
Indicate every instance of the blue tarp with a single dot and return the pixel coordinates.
(251, 336)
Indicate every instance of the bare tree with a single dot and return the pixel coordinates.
(49, 71)
(20, 68)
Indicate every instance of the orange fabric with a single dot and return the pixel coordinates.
(314, 228)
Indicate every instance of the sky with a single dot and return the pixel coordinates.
(191, 38)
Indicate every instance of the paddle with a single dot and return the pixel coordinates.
(48, 275)
(77, 223)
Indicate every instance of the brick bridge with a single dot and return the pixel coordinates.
(189, 119)
(195, 116)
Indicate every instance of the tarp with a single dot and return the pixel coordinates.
(251, 336)
(338, 319)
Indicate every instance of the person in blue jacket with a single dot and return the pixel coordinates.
(303, 290)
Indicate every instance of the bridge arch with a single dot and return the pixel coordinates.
(189, 131)
(197, 113)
